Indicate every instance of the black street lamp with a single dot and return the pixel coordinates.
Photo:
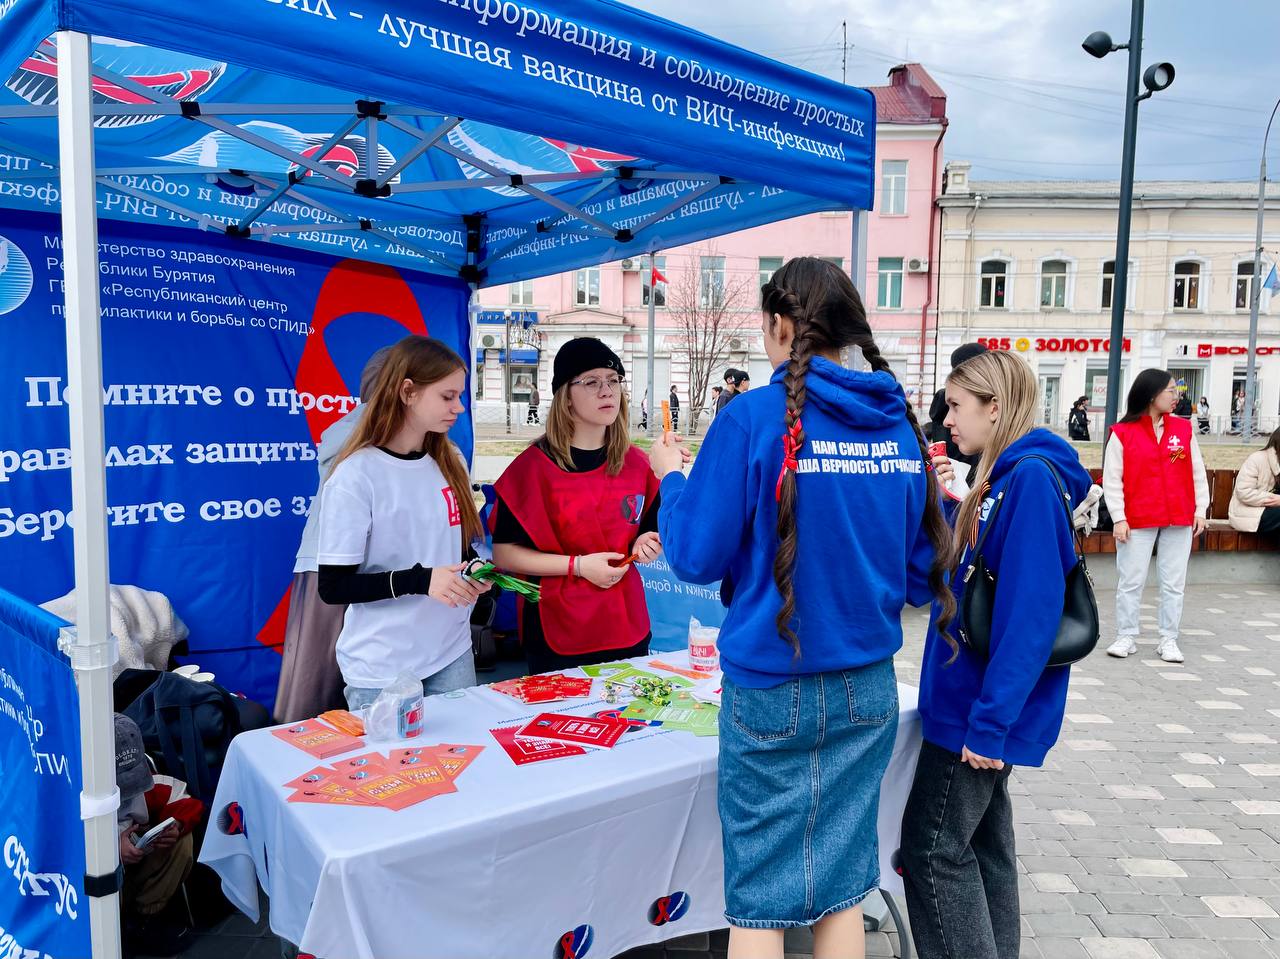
(1156, 78)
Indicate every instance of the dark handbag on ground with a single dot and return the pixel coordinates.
(186, 726)
(1079, 630)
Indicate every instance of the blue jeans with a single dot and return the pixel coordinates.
(459, 674)
(799, 793)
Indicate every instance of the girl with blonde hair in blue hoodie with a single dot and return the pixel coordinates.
(811, 500)
(983, 715)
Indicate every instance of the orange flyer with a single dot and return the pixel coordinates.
(317, 739)
(389, 790)
(455, 757)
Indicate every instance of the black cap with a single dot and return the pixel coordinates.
(578, 356)
(966, 351)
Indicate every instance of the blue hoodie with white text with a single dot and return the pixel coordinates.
(1010, 707)
(862, 548)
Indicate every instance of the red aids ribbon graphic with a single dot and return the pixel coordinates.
(566, 945)
(790, 454)
(664, 911)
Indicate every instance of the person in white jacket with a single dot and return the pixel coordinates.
(1255, 502)
(310, 681)
(1157, 493)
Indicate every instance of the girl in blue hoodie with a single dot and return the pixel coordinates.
(811, 497)
(982, 717)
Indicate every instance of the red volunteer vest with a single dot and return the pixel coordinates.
(1159, 488)
(575, 514)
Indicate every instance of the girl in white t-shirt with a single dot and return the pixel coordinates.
(396, 523)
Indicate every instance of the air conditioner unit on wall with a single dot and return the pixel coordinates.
(630, 266)
(736, 344)
(489, 341)
(917, 265)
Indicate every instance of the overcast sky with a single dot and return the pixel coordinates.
(1024, 100)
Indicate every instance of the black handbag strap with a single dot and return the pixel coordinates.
(995, 509)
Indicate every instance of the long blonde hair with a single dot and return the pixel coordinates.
(424, 361)
(559, 436)
(1007, 379)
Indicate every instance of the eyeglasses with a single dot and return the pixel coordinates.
(593, 384)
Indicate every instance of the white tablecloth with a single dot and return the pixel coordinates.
(514, 860)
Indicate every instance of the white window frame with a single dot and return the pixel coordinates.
(893, 186)
(1130, 283)
(882, 273)
(766, 275)
(704, 299)
(1008, 281)
(1068, 283)
(1202, 288)
(1235, 275)
(582, 283)
(646, 281)
(520, 293)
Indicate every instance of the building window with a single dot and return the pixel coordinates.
(711, 281)
(1095, 387)
(522, 293)
(889, 289)
(769, 265)
(1053, 284)
(994, 278)
(646, 277)
(893, 187)
(477, 377)
(1108, 282)
(1244, 285)
(587, 287)
(1186, 286)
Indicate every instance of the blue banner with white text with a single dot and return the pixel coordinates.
(43, 910)
(223, 362)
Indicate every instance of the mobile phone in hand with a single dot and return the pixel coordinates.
(152, 834)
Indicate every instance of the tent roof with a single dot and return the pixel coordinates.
(488, 139)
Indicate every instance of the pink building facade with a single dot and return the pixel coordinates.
(611, 301)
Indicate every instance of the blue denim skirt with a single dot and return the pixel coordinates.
(799, 793)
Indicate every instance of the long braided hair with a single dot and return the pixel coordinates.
(827, 313)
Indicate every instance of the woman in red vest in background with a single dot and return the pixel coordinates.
(1157, 492)
(571, 509)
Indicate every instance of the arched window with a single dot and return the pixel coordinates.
(1053, 284)
(1186, 285)
(1244, 285)
(995, 275)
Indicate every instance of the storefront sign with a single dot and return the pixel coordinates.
(1207, 351)
(1052, 344)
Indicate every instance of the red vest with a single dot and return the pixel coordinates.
(575, 514)
(1159, 488)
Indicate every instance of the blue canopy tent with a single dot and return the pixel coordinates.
(481, 140)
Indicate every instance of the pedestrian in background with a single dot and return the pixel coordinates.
(674, 400)
(1078, 421)
(535, 401)
(1157, 492)
(1202, 412)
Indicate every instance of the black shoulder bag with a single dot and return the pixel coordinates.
(1079, 629)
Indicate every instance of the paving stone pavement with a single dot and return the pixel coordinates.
(1153, 830)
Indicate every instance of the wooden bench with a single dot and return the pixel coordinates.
(1218, 538)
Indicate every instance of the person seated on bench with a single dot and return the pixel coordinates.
(1255, 501)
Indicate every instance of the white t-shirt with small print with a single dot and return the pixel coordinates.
(384, 513)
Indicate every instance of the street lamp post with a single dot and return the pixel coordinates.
(1255, 291)
(506, 364)
(1156, 78)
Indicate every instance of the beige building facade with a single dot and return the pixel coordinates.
(1028, 266)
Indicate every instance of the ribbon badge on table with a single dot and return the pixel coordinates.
(576, 943)
(790, 454)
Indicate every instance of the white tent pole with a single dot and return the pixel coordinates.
(92, 651)
(858, 270)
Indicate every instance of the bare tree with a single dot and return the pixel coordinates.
(710, 308)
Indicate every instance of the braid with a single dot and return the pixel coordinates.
(940, 534)
(803, 349)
